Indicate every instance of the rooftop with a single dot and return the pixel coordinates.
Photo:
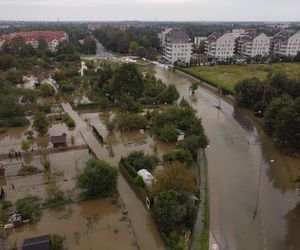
(55, 139)
(178, 35)
(285, 34)
(35, 35)
(37, 243)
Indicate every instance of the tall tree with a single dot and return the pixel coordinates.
(128, 80)
(98, 178)
(89, 45)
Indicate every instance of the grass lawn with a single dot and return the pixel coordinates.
(227, 76)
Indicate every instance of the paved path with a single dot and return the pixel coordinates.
(144, 227)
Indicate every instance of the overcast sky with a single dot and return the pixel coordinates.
(151, 10)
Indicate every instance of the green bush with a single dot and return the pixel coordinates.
(168, 133)
(69, 121)
(57, 242)
(98, 178)
(29, 208)
(138, 160)
(130, 121)
(139, 181)
(180, 154)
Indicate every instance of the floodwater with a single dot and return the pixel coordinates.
(12, 138)
(64, 167)
(238, 147)
(85, 225)
(93, 225)
(145, 230)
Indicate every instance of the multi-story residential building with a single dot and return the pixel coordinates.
(52, 38)
(221, 46)
(162, 36)
(286, 43)
(252, 45)
(237, 32)
(198, 40)
(177, 46)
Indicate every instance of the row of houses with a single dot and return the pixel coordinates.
(52, 38)
(249, 43)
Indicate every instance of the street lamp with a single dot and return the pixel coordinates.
(258, 189)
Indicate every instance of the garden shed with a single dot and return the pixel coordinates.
(37, 243)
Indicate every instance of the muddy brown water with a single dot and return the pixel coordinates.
(238, 147)
(12, 138)
(97, 224)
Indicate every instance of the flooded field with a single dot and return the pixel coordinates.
(12, 138)
(122, 143)
(83, 224)
(97, 224)
(64, 167)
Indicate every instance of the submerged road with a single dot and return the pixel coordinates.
(147, 235)
(244, 215)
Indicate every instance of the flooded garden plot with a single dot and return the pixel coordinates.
(11, 138)
(122, 143)
(82, 224)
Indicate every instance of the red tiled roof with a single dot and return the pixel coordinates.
(35, 35)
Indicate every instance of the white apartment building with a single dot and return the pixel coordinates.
(177, 46)
(286, 43)
(252, 45)
(162, 36)
(221, 46)
(198, 40)
(237, 32)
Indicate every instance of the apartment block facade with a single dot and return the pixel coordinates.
(221, 46)
(253, 45)
(177, 46)
(286, 43)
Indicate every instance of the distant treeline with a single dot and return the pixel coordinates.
(120, 40)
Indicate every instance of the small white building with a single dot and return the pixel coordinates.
(252, 45)
(219, 45)
(147, 176)
(177, 46)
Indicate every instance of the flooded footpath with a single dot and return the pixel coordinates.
(246, 212)
(144, 228)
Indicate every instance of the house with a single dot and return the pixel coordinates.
(219, 45)
(177, 46)
(147, 176)
(286, 43)
(37, 243)
(59, 140)
(52, 38)
(253, 45)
